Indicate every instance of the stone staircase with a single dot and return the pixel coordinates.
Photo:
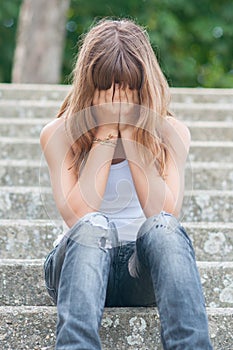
(29, 221)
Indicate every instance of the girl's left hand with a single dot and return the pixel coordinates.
(129, 111)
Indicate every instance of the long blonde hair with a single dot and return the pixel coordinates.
(118, 51)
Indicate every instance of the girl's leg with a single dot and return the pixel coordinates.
(164, 249)
(82, 281)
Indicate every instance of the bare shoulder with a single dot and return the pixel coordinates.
(53, 132)
(178, 128)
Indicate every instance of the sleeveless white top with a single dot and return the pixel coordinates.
(120, 203)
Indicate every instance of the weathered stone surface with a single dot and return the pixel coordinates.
(24, 239)
(27, 203)
(203, 111)
(58, 92)
(23, 172)
(208, 206)
(200, 130)
(211, 151)
(23, 283)
(211, 131)
(200, 95)
(212, 241)
(38, 203)
(25, 328)
(217, 283)
(206, 215)
(47, 109)
(201, 151)
(199, 175)
(209, 176)
(29, 109)
(20, 148)
(41, 92)
(19, 127)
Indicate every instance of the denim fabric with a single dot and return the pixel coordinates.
(90, 269)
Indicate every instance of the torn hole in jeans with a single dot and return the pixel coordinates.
(105, 243)
(132, 266)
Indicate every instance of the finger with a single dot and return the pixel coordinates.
(95, 100)
(130, 95)
(116, 96)
(102, 97)
(109, 94)
(123, 96)
(135, 96)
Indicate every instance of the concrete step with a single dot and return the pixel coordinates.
(206, 215)
(201, 151)
(23, 283)
(212, 241)
(199, 175)
(202, 95)
(29, 109)
(29, 239)
(24, 239)
(37, 203)
(27, 203)
(29, 128)
(203, 111)
(211, 151)
(211, 131)
(24, 328)
(58, 92)
(200, 130)
(209, 175)
(48, 109)
(41, 92)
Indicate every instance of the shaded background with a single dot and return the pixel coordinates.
(193, 40)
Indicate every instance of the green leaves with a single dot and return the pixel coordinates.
(193, 39)
(8, 23)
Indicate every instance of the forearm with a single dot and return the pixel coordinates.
(94, 177)
(153, 192)
(88, 192)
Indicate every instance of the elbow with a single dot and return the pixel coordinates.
(170, 210)
(173, 207)
(71, 215)
(68, 214)
(172, 204)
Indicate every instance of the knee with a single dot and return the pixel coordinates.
(95, 230)
(163, 232)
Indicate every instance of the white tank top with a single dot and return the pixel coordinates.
(120, 202)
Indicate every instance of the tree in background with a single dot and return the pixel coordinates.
(40, 41)
(8, 23)
(193, 40)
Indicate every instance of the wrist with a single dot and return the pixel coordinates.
(106, 138)
(103, 132)
(127, 133)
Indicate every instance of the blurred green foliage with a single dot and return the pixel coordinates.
(193, 40)
(9, 11)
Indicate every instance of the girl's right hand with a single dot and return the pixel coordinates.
(106, 108)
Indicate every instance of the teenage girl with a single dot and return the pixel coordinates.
(116, 158)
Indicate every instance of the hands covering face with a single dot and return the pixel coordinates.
(116, 108)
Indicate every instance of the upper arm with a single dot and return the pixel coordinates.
(179, 138)
(59, 156)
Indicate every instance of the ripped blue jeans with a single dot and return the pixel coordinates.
(90, 269)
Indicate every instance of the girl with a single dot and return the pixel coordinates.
(116, 158)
